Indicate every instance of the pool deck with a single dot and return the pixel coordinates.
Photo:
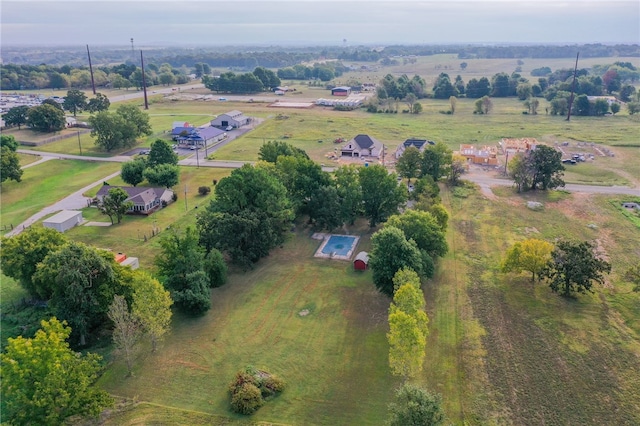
(325, 239)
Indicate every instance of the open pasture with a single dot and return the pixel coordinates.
(498, 345)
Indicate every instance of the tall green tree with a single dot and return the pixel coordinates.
(478, 88)
(163, 175)
(423, 228)
(546, 164)
(112, 131)
(138, 118)
(75, 101)
(406, 345)
(436, 161)
(9, 142)
(408, 165)
(391, 252)
(271, 150)
(82, 282)
(443, 89)
(152, 307)
(573, 267)
(303, 179)
(132, 172)
(415, 406)
(9, 165)
(519, 170)
(161, 153)
(181, 267)
(249, 215)
(381, 194)
(407, 325)
(99, 103)
(16, 116)
(349, 193)
(44, 382)
(46, 118)
(216, 268)
(531, 255)
(115, 204)
(22, 253)
(323, 208)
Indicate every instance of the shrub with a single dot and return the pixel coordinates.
(241, 379)
(204, 190)
(250, 387)
(272, 385)
(247, 399)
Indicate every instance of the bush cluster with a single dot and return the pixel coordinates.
(251, 388)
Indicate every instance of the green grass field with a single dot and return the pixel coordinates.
(330, 358)
(500, 350)
(498, 346)
(45, 184)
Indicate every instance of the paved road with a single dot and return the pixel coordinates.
(53, 155)
(140, 94)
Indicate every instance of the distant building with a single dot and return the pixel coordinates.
(515, 145)
(145, 200)
(199, 136)
(610, 99)
(362, 146)
(341, 91)
(421, 144)
(233, 118)
(485, 155)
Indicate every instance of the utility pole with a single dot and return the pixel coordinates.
(93, 84)
(133, 52)
(144, 82)
(573, 88)
(79, 145)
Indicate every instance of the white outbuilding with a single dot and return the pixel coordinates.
(64, 220)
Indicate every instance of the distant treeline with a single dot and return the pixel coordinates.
(542, 51)
(249, 57)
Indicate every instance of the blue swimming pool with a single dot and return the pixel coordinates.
(339, 244)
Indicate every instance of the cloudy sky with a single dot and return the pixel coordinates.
(295, 22)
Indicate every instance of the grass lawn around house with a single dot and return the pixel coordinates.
(129, 236)
(26, 159)
(46, 183)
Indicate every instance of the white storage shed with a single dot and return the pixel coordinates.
(64, 220)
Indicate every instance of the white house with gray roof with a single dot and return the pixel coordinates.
(363, 146)
(145, 200)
